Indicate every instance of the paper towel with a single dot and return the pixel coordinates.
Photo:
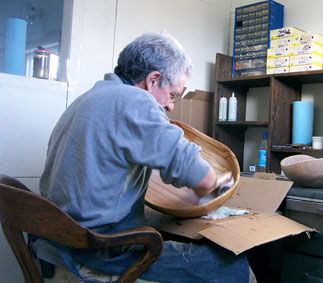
(14, 56)
(302, 122)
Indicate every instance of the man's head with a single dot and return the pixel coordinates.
(156, 62)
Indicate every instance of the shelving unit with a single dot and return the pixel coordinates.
(284, 90)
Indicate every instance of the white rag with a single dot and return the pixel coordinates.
(224, 212)
(222, 189)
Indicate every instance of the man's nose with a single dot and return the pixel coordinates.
(170, 106)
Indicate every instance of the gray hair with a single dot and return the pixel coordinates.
(154, 52)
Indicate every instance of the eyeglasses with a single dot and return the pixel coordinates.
(175, 97)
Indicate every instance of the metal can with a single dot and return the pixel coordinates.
(252, 168)
(41, 64)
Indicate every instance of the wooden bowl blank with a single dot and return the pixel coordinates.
(183, 202)
(304, 170)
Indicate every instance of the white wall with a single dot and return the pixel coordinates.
(303, 15)
(87, 43)
(29, 109)
(200, 26)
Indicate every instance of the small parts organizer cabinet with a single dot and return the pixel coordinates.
(284, 90)
(251, 36)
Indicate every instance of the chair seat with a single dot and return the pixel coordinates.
(63, 275)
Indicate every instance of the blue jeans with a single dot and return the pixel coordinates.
(202, 261)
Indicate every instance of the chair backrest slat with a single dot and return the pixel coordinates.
(28, 212)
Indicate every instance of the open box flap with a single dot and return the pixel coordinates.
(259, 194)
(251, 231)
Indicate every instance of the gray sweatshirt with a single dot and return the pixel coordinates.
(102, 151)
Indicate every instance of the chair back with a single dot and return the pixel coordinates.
(21, 210)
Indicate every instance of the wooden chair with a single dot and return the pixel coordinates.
(21, 210)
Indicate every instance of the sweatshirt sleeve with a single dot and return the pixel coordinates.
(148, 138)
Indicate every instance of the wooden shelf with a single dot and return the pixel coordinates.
(242, 123)
(284, 90)
(311, 77)
(247, 82)
(297, 150)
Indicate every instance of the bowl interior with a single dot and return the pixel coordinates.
(183, 202)
(304, 170)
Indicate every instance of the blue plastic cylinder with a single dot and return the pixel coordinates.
(15, 47)
(302, 122)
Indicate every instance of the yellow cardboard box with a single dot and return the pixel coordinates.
(278, 62)
(279, 70)
(310, 48)
(285, 32)
(305, 68)
(281, 52)
(311, 38)
(306, 59)
(285, 42)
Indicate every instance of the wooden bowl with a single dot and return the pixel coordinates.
(183, 202)
(304, 170)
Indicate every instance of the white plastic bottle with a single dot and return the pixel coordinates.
(232, 108)
(263, 154)
(223, 105)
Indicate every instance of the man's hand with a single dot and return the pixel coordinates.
(211, 182)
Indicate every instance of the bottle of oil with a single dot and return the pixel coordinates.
(232, 108)
(263, 154)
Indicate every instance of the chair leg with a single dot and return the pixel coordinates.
(47, 269)
(17, 243)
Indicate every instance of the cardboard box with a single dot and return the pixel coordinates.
(306, 59)
(196, 110)
(261, 197)
(278, 62)
(279, 70)
(308, 39)
(305, 68)
(310, 48)
(281, 51)
(285, 32)
(285, 42)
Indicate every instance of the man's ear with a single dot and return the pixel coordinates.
(152, 80)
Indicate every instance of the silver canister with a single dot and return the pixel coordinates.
(45, 65)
